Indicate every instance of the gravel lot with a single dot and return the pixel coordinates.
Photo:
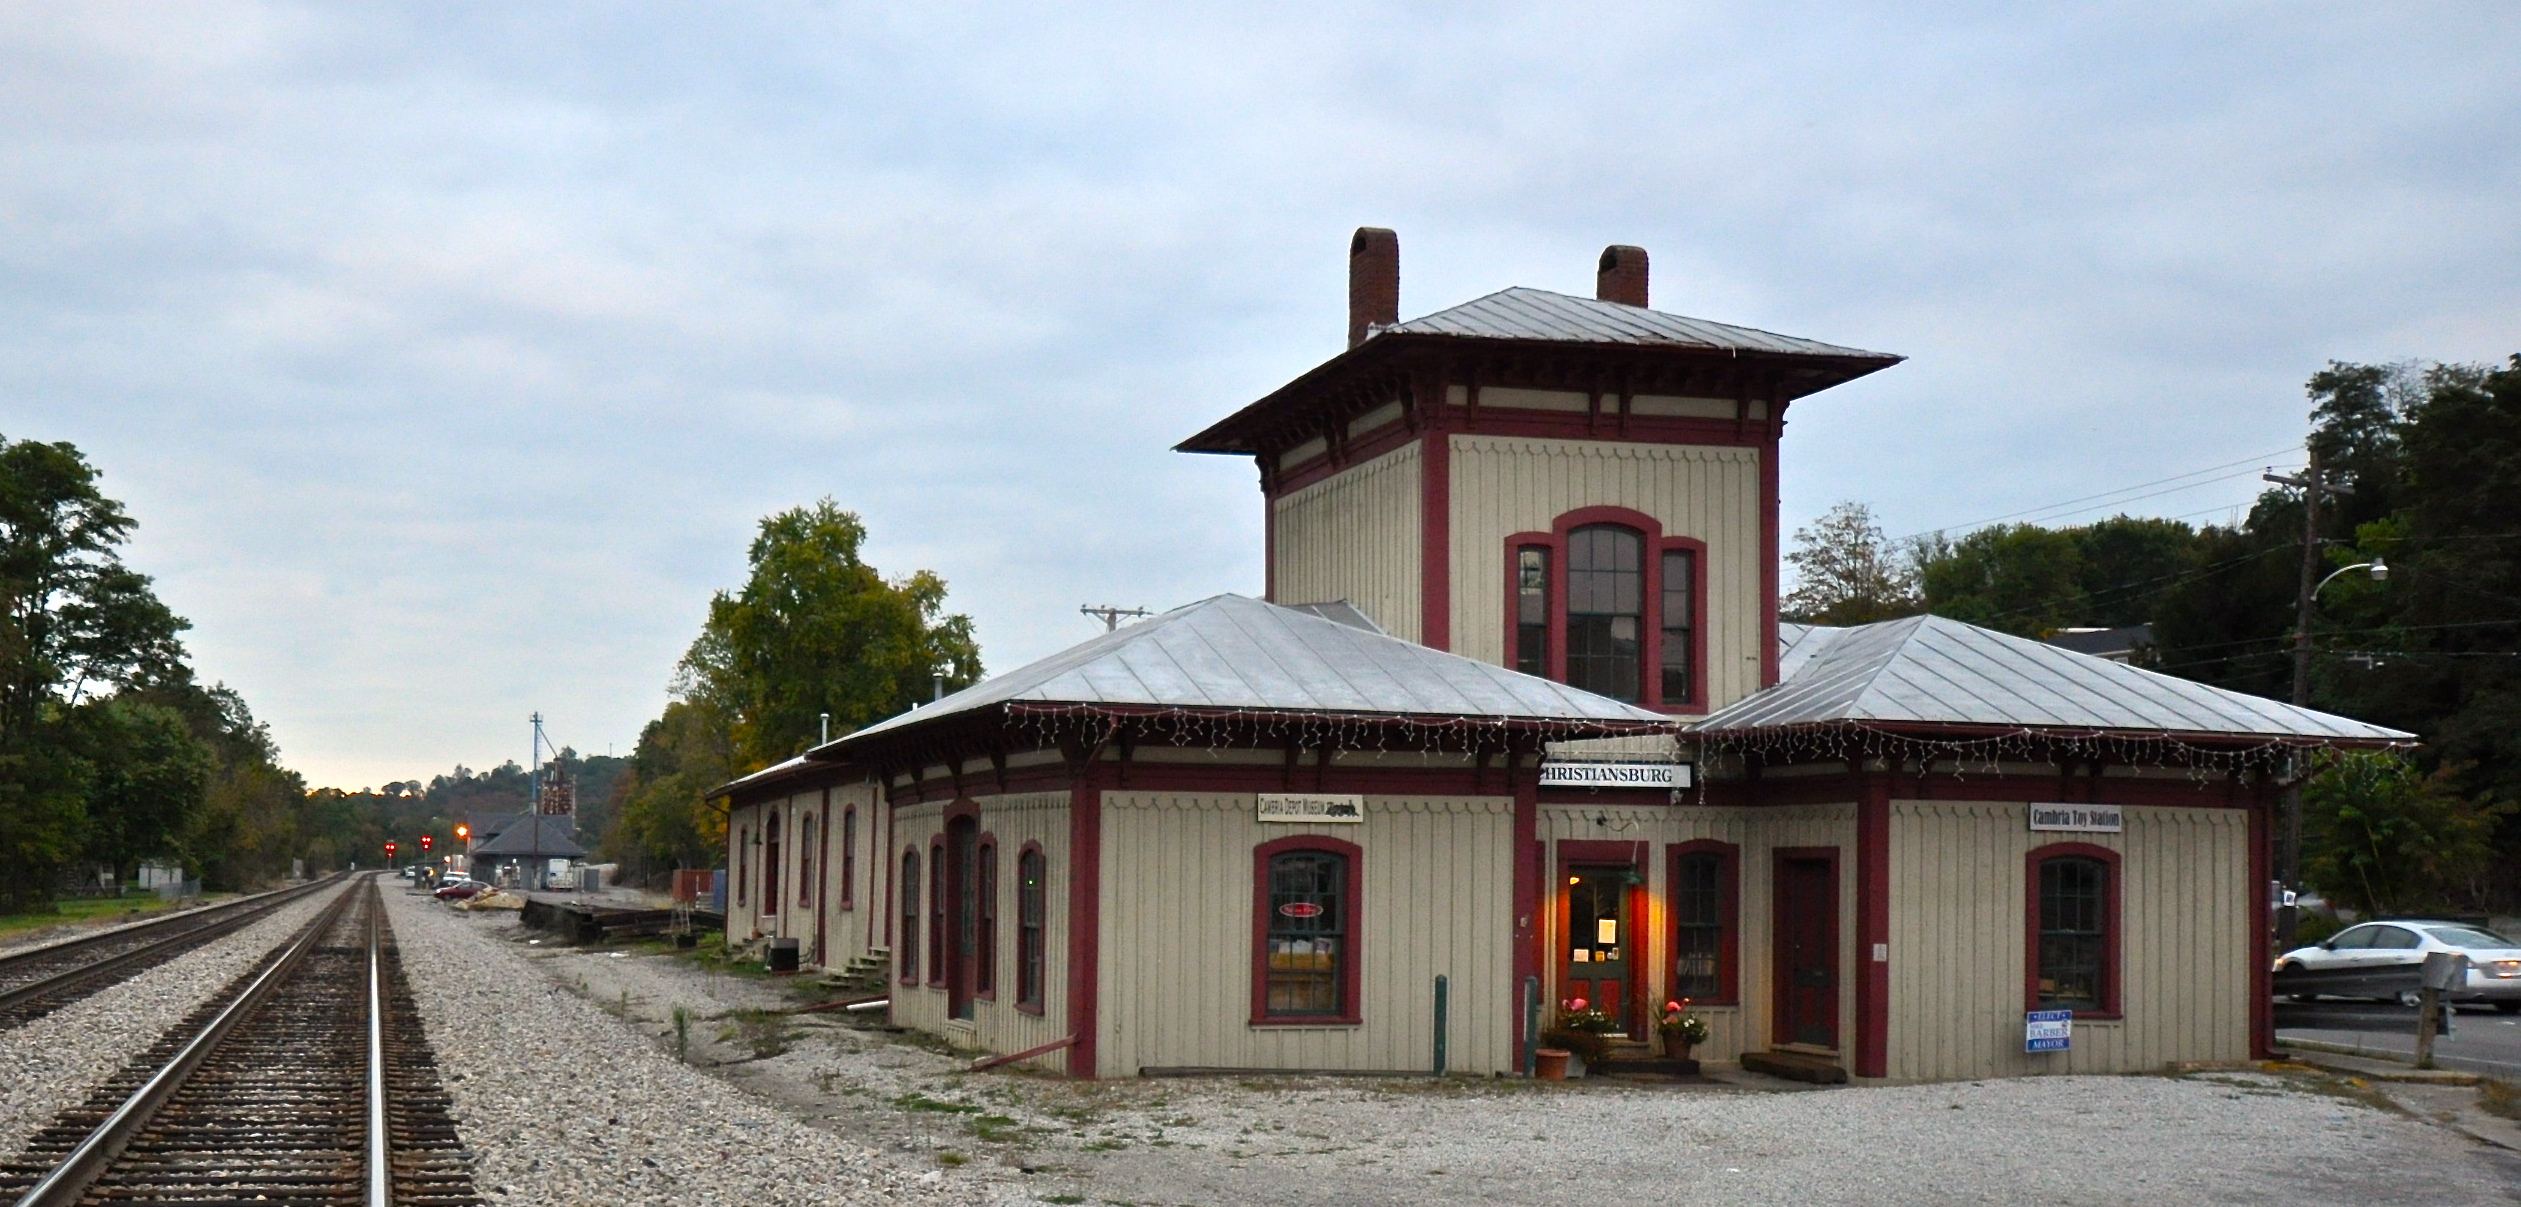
(2294, 1138)
(57, 1060)
(561, 1103)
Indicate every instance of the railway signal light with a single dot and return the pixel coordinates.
(463, 831)
(425, 841)
(389, 850)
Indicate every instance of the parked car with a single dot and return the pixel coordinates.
(2381, 960)
(461, 890)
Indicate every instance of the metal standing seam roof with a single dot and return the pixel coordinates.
(1538, 314)
(543, 834)
(1930, 670)
(1233, 652)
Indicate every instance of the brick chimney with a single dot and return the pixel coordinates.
(1374, 281)
(1622, 276)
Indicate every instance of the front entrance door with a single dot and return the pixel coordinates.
(1601, 956)
(962, 896)
(1807, 949)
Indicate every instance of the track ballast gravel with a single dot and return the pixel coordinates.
(562, 1103)
(55, 1061)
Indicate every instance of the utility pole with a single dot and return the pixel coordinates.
(1110, 615)
(2313, 483)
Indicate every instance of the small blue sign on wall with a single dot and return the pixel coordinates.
(2048, 1030)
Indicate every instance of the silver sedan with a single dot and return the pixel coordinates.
(2381, 959)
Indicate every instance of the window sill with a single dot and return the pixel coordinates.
(1029, 1008)
(1324, 1023)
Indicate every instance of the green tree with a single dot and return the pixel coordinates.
(817, 630)
(2019, 578)
(1847, 572)
(147, 776)
(2386, 838)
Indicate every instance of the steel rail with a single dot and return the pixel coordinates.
(69, 1180)
(380, 1155)
(201, 928)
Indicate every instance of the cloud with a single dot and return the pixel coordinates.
(448, 354)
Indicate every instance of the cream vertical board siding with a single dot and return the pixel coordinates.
(843, 917)
(1959, 923)
(1176, 943)
(1355, 536)
(997, 1025)
(1503, 485)
(742, 918)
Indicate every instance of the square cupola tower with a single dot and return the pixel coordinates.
(1583, 489)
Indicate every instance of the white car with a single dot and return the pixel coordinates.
(2382, 960)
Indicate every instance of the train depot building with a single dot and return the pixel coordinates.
(1518, 713)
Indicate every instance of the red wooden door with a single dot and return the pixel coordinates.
(962, 922)
(1807, 950)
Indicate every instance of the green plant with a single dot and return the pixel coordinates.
(1583, 1029)
(1678, 1023)
(682, 1033)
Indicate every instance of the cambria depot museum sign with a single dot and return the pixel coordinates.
(1312, 808)
(1572, 774)
(2076, 818)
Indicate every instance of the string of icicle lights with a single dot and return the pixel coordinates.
(1988, 752)
(1218, 728)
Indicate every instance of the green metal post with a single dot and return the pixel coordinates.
(1531, 1025)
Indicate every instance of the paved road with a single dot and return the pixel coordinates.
(2481, 1041)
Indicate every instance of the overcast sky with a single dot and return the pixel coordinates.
(447, 354)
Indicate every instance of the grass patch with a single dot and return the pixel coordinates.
(81, 909)
(950, 1159)
(1107, 1146)
(996, 1129)
(2499, 1098)
(916, 1101)
(763, 1033)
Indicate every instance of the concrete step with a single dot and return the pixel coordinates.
(1796, 1066)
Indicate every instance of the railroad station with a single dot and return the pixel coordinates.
(1516, 723)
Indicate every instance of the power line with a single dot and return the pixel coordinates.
(2253, 461)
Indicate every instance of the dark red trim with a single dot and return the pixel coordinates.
(1269, 541)
(1778, 988)
(1493, 420)
(1768, 520)
(961, 808)
(1031, 1005)
(1085, 918)
(907, 970)
(1650, 641)
(938, 949)
(849, 857)
(1873, 928)
(1529, 958)
(985, 961)
(2112, 1006)
(1728, 917)
(1352, 1011)
(1435, 541)
(2262, 929)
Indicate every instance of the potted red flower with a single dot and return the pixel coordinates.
(1680, 1029)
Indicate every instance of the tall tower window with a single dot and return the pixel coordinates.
(1606, 592)
(1680, 624)
(1531, 610)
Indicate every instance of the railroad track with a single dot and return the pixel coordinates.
(307, 1081)
(37, 982)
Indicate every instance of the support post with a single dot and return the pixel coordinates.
(1441, 987)
(1531, 1024)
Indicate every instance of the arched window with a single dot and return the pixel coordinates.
(1606, 608)
(985, 958)
(770, 865)
(743, 863)
(805, 861)
(936, 914)
(906, 953)
(1609, 603)
(1031, 917)
(2073, 929)
(1305, 902)
(848, 858)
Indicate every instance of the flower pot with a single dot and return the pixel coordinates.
(1675, 1047)
(1550, 1064)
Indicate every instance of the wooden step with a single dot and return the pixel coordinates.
(1796, 1066)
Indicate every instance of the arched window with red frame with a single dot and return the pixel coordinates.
(849, 858)
(1032, 915)
(1305, 923)
(936, 913)
(2071, 929)
(907, 953)
(1608, 602)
